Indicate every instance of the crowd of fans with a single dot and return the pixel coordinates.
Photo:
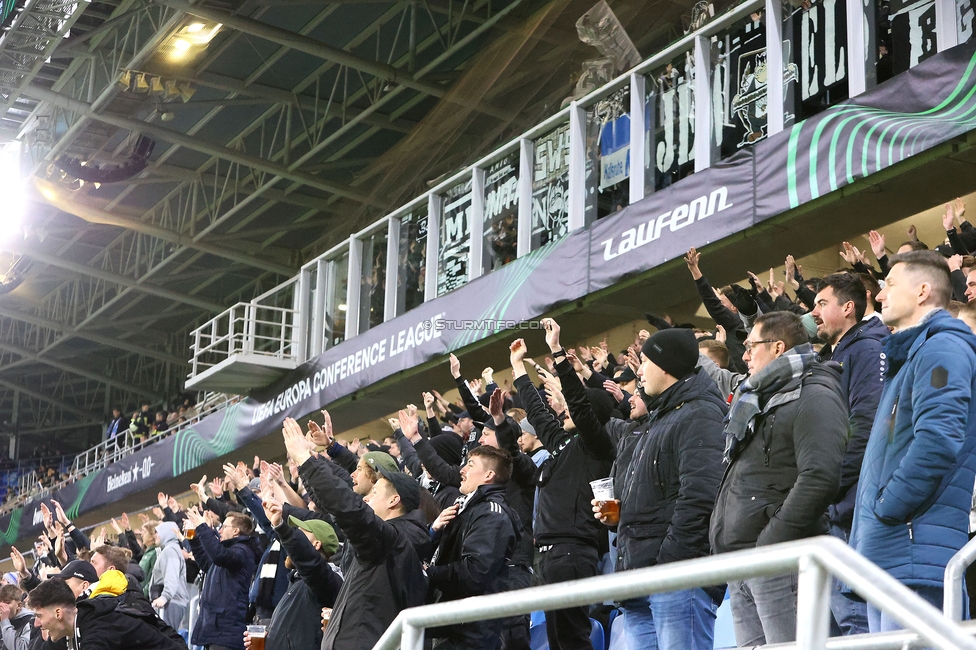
(147, 424)
(848, 409)
(26, 480)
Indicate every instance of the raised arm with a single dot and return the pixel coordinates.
(593, 437)
(549, 430)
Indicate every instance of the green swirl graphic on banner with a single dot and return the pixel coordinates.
(10, 535)
(507, 292)
(83, 485)
(887, 135)
(191, 450)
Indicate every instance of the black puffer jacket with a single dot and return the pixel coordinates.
(385, 573)
(564, 513)
(778, 486)
(108, 623)
(668, 486)
(296, 623)
(472, 560)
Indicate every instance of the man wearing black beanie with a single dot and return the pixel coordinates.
(666, 483)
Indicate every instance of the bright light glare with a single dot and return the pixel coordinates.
(342, 307)
(181, 45)
(194, 27)
(13, 192)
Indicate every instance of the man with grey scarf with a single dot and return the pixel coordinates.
(786, 435)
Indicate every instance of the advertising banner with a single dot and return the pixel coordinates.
(929, 104)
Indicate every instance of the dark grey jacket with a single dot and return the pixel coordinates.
(297, 620)
(778, 487)
(385, 573)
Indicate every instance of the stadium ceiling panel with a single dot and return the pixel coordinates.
(185, 156)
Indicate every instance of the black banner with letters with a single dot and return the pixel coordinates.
(918, 109)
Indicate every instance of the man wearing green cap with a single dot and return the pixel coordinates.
(386, 536)
(361, 470)
(313, 582)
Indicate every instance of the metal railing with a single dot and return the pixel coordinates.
(816, 560)
(125, 444)
(246, 328)
(310, 295)
(899, 640)
(954, 573)
(104, 453)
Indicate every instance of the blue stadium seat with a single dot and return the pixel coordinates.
(537, 618)
(596, 634)
(537, 637)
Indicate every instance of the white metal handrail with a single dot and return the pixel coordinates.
(105, 453)
(954, 573)
(816, 560)
(246, 328)
(696, 45)
(898, 640)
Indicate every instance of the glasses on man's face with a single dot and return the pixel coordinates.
(749, 345)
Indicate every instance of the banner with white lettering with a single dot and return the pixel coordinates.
(824, 153)
(712, 204)
(500, 227)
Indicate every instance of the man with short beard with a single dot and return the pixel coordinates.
(856, 344)
(786, 434)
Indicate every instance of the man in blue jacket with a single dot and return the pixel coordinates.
(915, 490)
(855, 342)
(228, 558)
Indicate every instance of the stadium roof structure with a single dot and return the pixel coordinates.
(183, 156)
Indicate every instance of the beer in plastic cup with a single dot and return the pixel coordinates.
(603, 494)
(257, 634)
(191, 533)
(326, 615)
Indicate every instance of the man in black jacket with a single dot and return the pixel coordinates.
(569, 541)
(720, 308)
(388, 537)
(856, 343)
(476, 539)
(314, 583)
(667, 488)
(785, 442)
(102, 622)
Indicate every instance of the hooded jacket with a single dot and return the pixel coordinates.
(859, 352)
(916, 485)
(296, 623)
(787, 470)
(472, 560)
(169, 570)
(229, 566)
(385, 573)
(107, 620)
(16, 632)
(668, 484)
